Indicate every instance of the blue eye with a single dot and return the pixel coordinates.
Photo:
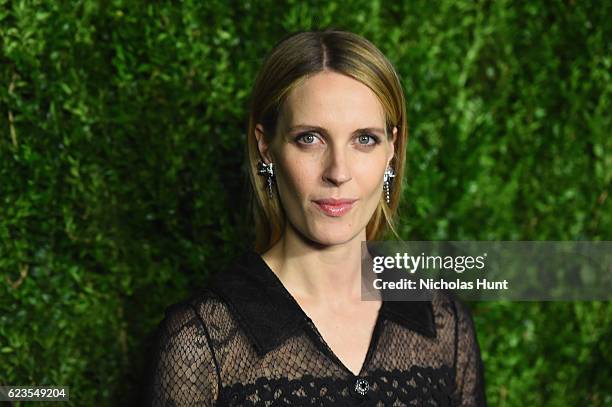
(306, 138)
(367, 140)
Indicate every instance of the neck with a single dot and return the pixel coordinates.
(325, 274)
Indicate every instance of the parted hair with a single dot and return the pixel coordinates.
(291, 61)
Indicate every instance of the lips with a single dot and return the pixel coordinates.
(335, 207)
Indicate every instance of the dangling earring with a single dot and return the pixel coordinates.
(389, 173)
(266, 170)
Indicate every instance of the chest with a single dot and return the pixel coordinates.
(386, 384)
(347, 331)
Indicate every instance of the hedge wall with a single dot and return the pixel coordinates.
(122, 127)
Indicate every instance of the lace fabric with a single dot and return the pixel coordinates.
(245, 341)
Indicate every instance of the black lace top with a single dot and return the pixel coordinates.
(245, 341)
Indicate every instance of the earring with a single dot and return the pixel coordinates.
(266, 170)
(389, 173)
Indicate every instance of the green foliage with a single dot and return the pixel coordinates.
(122, 126)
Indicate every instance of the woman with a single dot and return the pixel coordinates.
(285, 325)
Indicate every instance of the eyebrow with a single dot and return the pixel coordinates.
(323, 130)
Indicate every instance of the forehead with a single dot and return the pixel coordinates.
(333, 100)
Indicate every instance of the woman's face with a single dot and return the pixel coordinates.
(329, 153)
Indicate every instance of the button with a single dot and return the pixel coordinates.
(362, 386)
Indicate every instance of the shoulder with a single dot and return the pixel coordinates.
(213, 307)
(451, 314)
(193, 313)
(184, 367)
(447, 301)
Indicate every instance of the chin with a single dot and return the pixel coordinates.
(333, 236)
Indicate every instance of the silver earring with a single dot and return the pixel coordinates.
(266, 170)
(389, 174)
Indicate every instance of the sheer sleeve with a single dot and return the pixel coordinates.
(184, 370)
(470, 377)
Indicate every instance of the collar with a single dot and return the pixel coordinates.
(269, 314)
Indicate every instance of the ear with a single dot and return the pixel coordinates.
(262, 144)
(392, 149)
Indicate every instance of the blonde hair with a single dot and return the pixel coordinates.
(294, 59)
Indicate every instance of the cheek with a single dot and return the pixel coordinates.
(369, 176)
(296, 176)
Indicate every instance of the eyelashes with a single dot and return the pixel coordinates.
(309, 138)
(306, 138)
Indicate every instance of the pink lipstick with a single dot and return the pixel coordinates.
(335, 207)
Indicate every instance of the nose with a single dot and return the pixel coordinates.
(337, 171)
